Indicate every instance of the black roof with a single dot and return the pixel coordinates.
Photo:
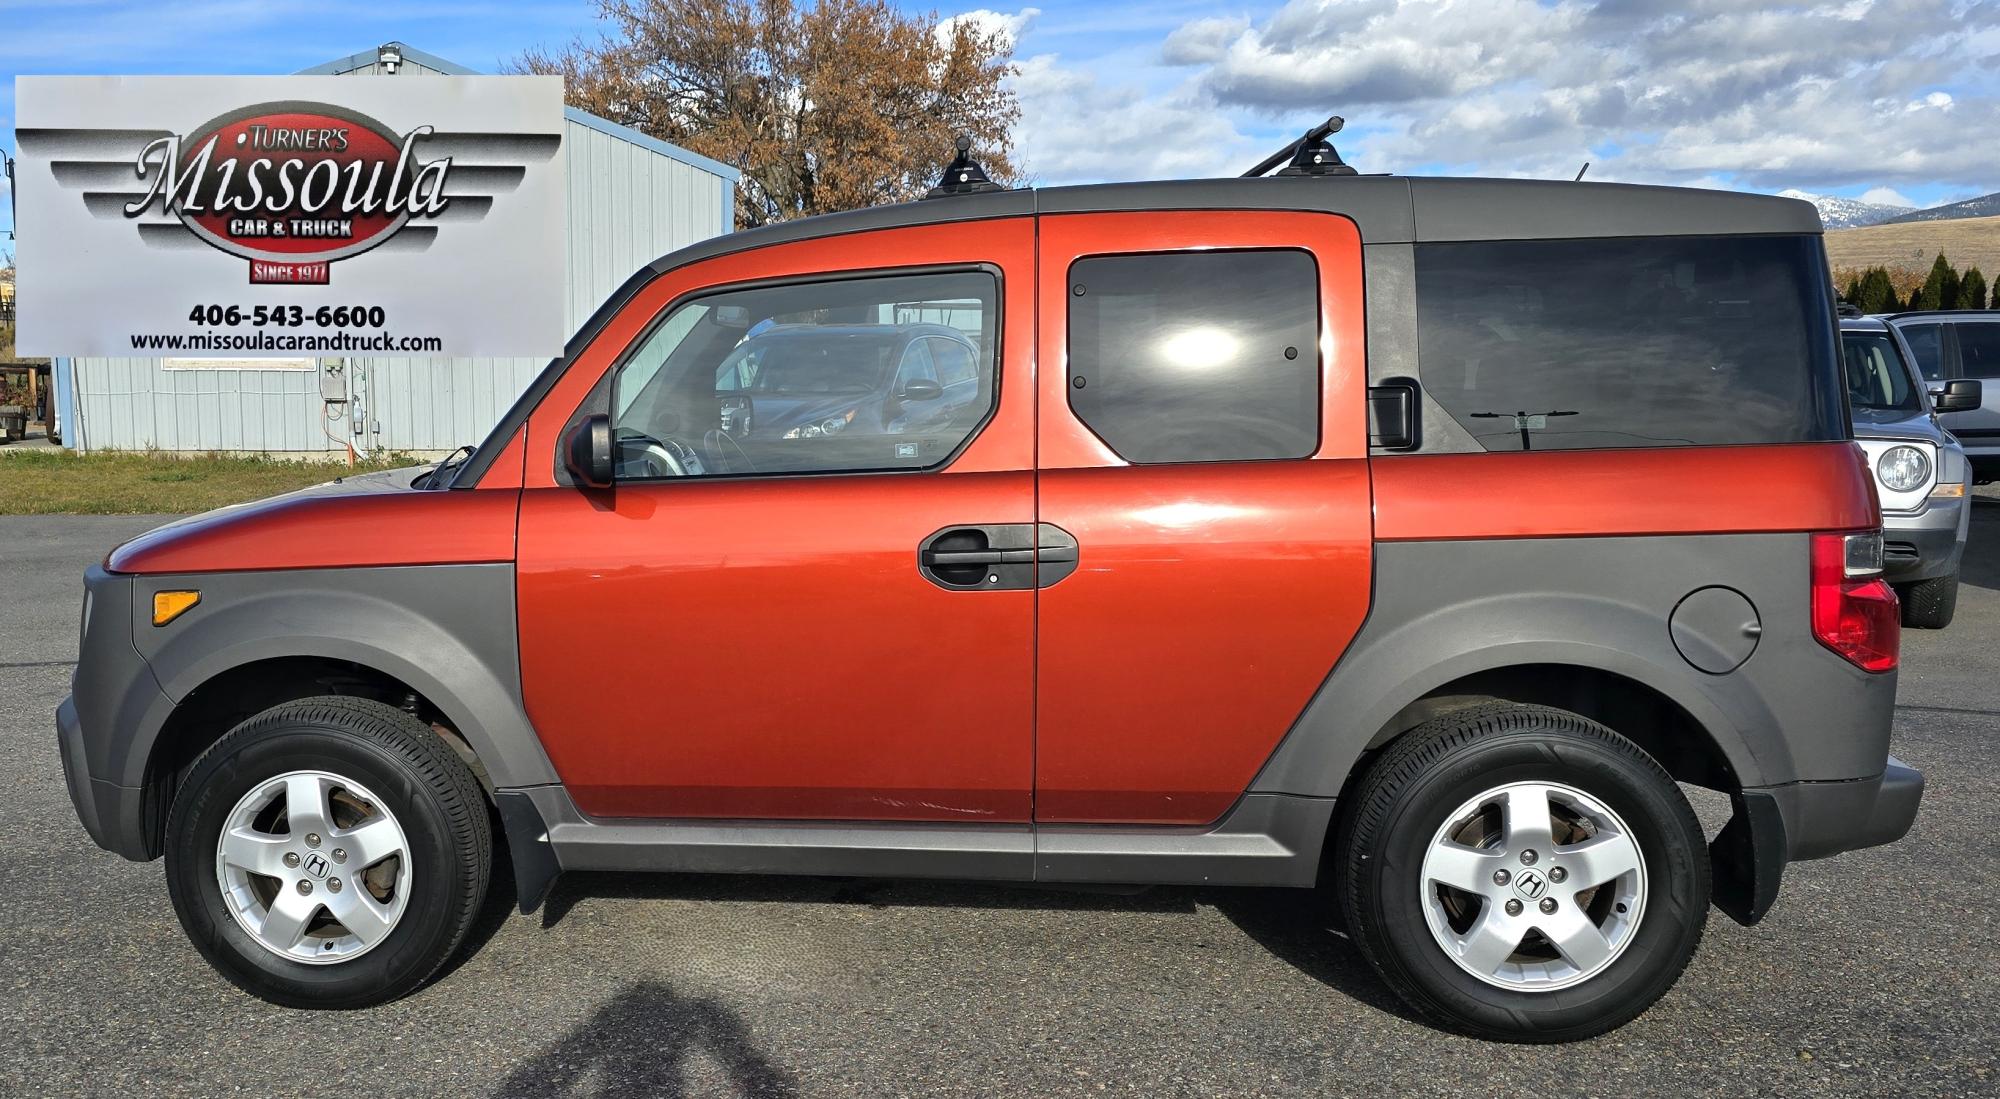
(1955, 314)
(1388, 209)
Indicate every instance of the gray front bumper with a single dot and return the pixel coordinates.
(114, 815)
(106, 725)
(1925, 544)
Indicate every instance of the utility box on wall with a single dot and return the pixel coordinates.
(630, 200)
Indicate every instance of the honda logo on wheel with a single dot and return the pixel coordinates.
(316, 865)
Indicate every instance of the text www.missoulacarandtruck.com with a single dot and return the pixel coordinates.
(286, 341)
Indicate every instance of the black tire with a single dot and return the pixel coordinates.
(1929, 604)
(428, 789)
(1422, 778)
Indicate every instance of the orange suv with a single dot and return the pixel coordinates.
(1406, 537)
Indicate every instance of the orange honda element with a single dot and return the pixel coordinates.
(1410, 538)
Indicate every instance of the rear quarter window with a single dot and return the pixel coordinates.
(1979, 349)
(1630, 342)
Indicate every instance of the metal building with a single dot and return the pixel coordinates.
(631, 199)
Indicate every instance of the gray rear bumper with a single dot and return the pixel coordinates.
(1826, 818)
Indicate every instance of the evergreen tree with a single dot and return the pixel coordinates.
(1972, 289)
(1877, 294)
(1852, 295)
(1940, 290)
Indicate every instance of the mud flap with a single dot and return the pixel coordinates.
(535, 865)
(1748, 857)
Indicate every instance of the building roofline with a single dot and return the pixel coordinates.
(605, 126)
(651, 144)
(355, 61)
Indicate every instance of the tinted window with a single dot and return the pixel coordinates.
(1979, 350)
(1927, 345)
(1643, 342)
(954, 361)
(1876, 378)
(805, 378)
(1197, 356)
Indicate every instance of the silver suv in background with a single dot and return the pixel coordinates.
(1951, 345)
(1921, 473)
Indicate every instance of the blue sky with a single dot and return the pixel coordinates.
(1891, 99)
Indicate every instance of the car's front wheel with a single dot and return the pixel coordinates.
(1523, 873)
(328, 853)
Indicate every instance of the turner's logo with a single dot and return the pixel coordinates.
(292, 187)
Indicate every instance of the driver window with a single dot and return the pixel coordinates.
(808, 378)
(916, 365)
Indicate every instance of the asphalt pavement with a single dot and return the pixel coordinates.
(1877, 974)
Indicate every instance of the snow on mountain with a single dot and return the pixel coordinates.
(1848, 213)
(1981, 207)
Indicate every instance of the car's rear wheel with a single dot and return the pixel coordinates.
(1523, 873)
(329, 852)
(1929, 604)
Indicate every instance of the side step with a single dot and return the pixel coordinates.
(1267, 840)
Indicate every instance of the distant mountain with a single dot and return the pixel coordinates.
(1848, 213)
(1983, 206)
(1912, 245)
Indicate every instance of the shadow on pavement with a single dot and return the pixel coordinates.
(1297, 926)
(640, 1042)
(1300, 928)
(1980, 566)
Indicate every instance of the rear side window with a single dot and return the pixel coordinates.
(1631, 342)
(1197, 356)
(1927, 346)
(1979, 350)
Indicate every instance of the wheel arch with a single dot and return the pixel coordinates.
(435, 643)
(1605, 660)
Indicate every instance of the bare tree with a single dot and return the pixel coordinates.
(832, 106)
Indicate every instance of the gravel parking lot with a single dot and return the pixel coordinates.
(1876, 974)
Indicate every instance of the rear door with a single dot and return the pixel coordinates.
(1202, 438)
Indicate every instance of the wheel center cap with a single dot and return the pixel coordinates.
(316, 865)
(1531, 885)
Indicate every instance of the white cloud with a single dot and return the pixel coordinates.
(1886, 196)
(1202, 41)
(1009, 27)
(1688, 91)
(1077, 128)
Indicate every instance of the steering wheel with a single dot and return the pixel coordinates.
(713, 444)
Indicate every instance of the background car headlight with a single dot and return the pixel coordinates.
(1903, 468)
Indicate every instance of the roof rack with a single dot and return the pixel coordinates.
(963, 176)
(1311, 155)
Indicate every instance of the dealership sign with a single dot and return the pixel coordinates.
(267, 217)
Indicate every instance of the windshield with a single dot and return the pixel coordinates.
(809, 364)
(1876, 378)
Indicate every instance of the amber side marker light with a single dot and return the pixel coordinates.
(169, 605)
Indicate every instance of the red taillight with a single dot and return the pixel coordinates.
(1855, 616)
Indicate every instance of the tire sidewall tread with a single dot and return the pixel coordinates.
(1426, 773)
(436, 800)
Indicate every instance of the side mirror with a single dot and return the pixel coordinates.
(587, 452)
(920, 390)
(1957, 395)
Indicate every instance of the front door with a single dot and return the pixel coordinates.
(1202, 436)
(802, 598)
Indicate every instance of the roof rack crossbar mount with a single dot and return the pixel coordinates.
(1311, 155)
